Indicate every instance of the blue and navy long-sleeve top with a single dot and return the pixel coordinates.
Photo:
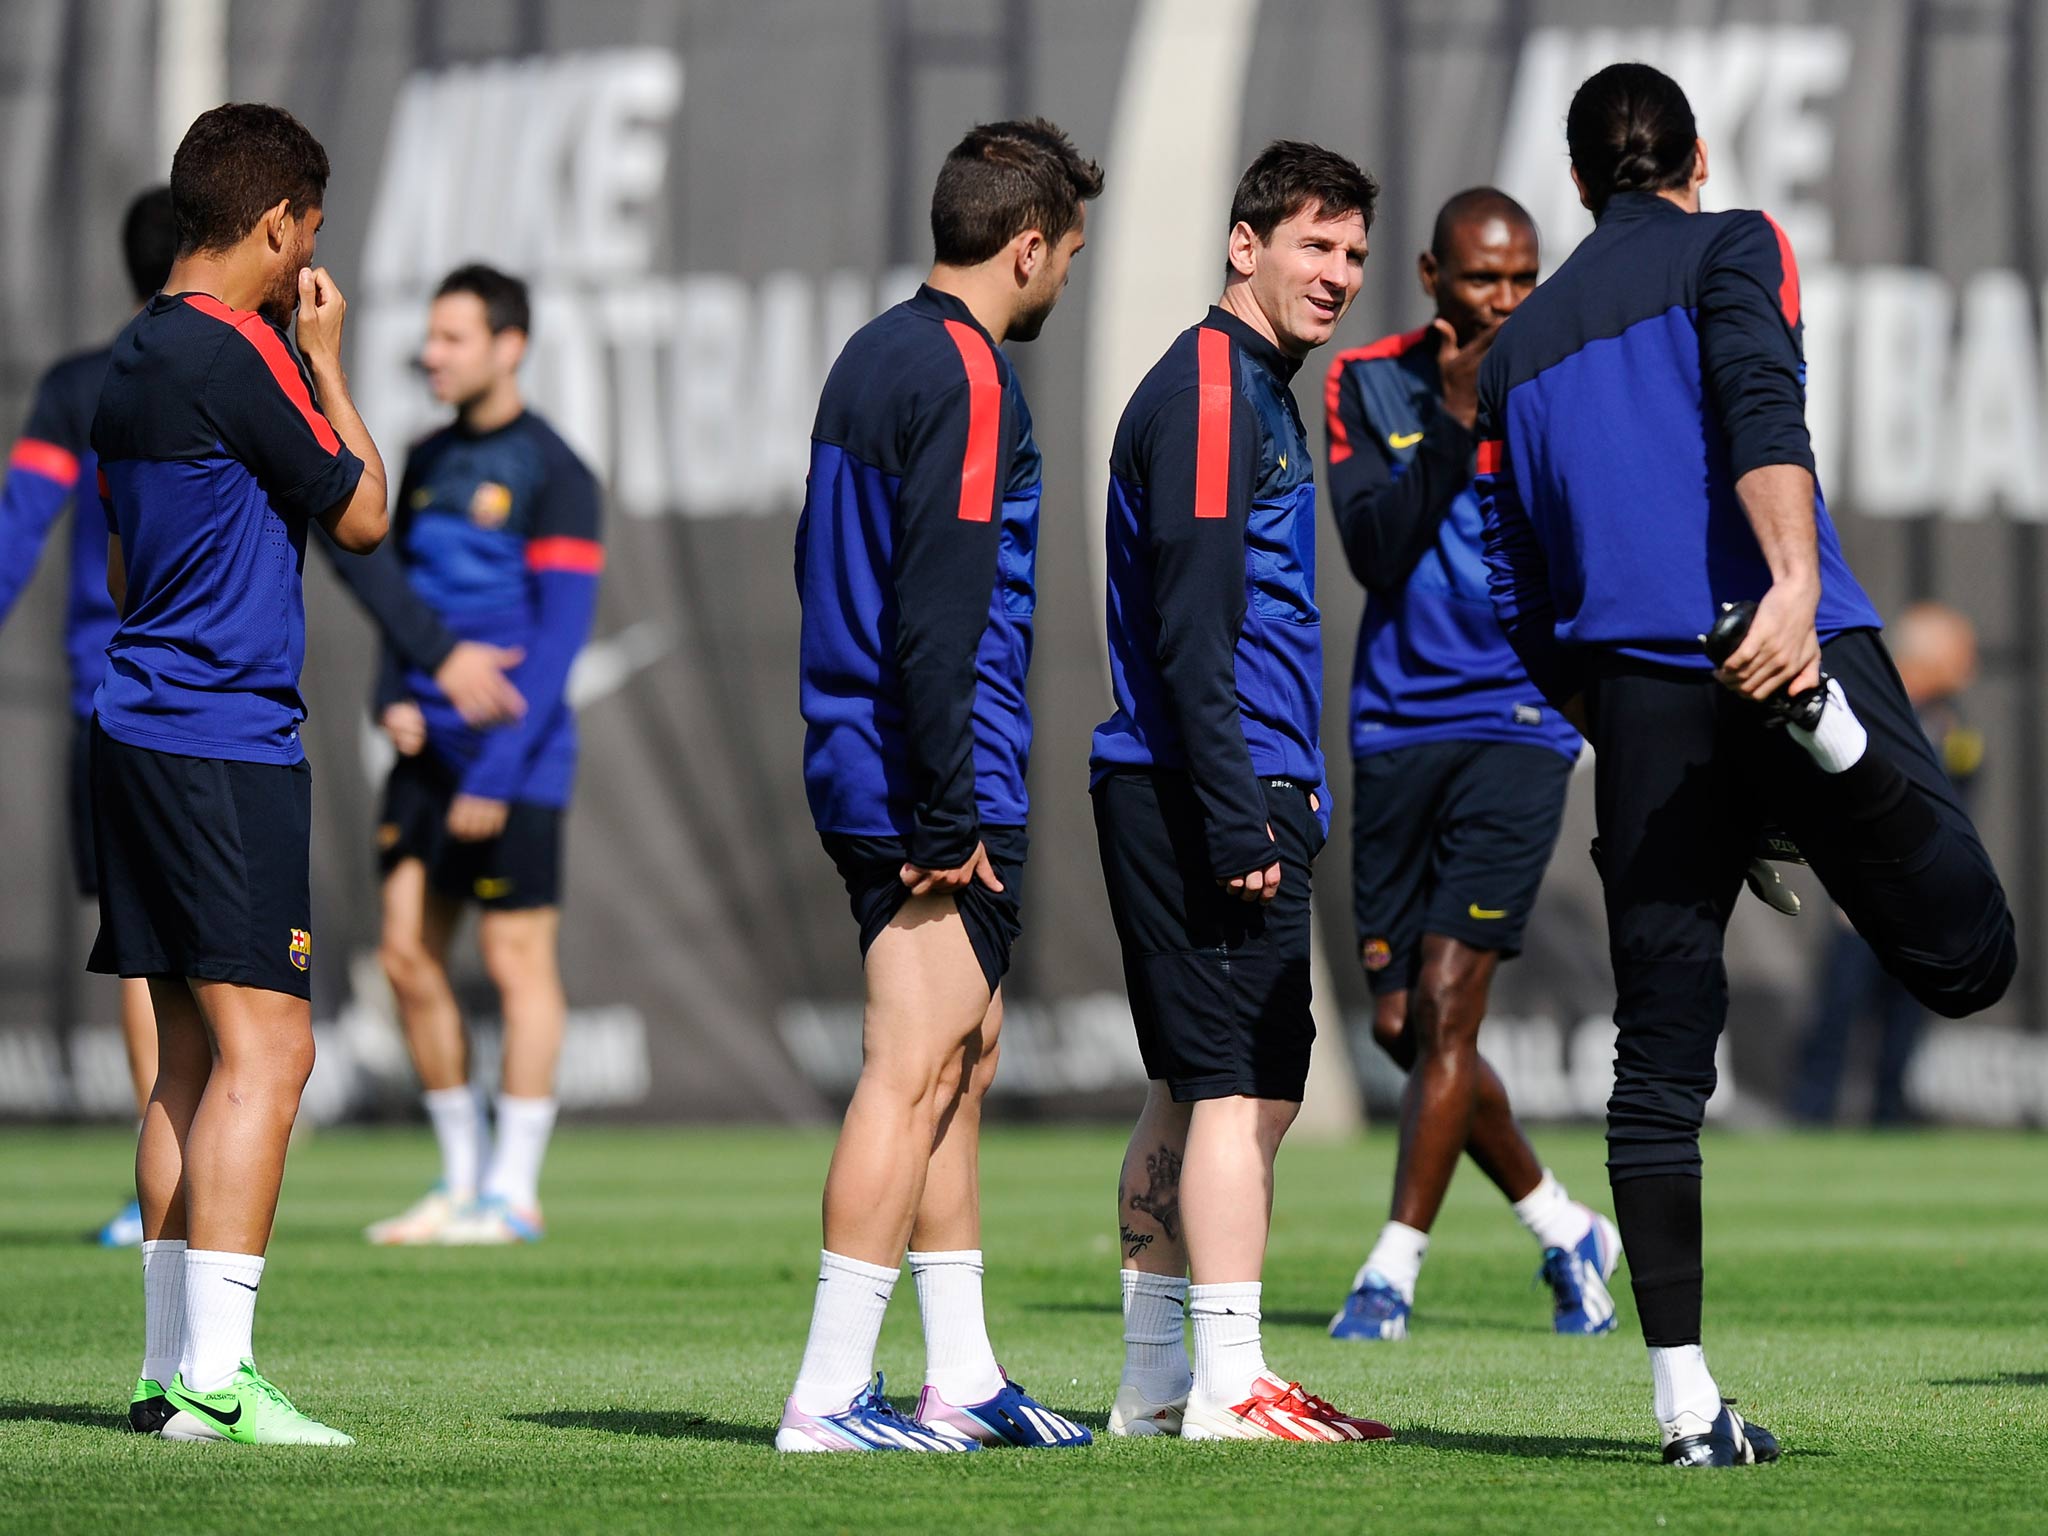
(51, 459)
(1432, 663)
(1215, 642)
(499, 534)
(915, 562)
(1617, 409)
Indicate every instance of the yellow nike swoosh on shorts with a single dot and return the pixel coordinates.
(1485, 914)
(1404, 439)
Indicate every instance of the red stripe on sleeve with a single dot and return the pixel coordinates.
(1212, 425)
(45, 459)
(1490, 454)
(106, 490)
(583, 556)
(257, 332)
(984, 423)
(1788, 284)
(1333, 397)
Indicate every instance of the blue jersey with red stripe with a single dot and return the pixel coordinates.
(1432, 663)
(1215, 641)
(499, 535)
(1618, 407)
(213, 457)
(915, 568)
(52, 458)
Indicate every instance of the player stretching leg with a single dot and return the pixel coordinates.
(1644, 461)
(1459, 768)
(50, 460)
(497, 529)
(214, 460)
(1208, 803)
(915, 571)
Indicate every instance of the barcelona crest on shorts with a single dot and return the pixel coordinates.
(302, 948)
(1378, 954)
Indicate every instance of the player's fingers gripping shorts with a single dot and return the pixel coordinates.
(1219, 987)
(1449, 837)
(871, 868)
(519, 869)
(203, 868)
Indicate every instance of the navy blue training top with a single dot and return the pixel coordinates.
(1432, 663)
(499, 535)
(50, 460)
(1215, 642)
(1618, 407)
(213, 458)
(915, 567)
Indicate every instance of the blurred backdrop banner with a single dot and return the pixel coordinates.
(708, 197)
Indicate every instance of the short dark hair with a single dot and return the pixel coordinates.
(149, 241)
(1630, 129)
(235, 164)
(507, 306)
(1289, 175)
(1005, 178)
(1470, 206)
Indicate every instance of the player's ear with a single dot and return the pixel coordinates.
(1699, 163)
(1425, 268)
(1578, 181)
(1031, 252)
(510, 345)
(275, 223)
(1244, 249)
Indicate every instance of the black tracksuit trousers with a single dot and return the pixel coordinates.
(1686, 775)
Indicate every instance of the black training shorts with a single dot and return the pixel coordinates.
(1449, 837)
(518, 870)
(872, 869)
(203, 867)
(1219, 987)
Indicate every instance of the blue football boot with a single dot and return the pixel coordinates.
(1373, 1310)
(1008, 1418)
(1578, 1276)
(869, 1423)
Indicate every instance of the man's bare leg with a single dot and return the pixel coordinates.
(927, 1004)
(1227, 1204)
(1152, 1393)
(419, 925)
(520, 950)
(138, 1034)
(182, 1059)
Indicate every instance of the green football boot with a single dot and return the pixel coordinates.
(248, 1411)
(148, 1408)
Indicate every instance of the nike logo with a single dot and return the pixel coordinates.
(242, 1283)
(227, 1419)
(1485, 914)
(1283, 461)
(1404, 439)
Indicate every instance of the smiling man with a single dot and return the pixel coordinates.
(1209, 802)
(1459, 768)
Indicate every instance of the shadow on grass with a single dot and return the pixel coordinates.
(1320, 1321)
(86, 1415)
(2002, 1379)
(1549, 1447)
(660, 1424)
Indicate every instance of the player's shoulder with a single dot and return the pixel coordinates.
(79, 375)
(1381, 356)
(557, 457)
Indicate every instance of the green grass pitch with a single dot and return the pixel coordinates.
(1880, 1303)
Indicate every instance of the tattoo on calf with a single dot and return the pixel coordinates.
(1135, 1243)
(1161, 1199)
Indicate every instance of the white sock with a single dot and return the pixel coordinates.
(1687, 1399)
(1553, 1217)
(1838, 741)
(163, 1308)
(1228, 1356)
(523, 1129)
(220, 1315)
(958, 1359)
(1397, 1256)
(1155, 1335)
(459, 1128)
(846, 1320)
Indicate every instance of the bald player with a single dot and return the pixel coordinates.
(1459, 768)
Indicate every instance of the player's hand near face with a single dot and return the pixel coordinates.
(321, 311)
(925, 882)
(473, 677)
(1459, 368)
(405, 726)
(1781, 652)
(473, 819)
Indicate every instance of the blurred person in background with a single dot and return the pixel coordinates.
(497, 530)
(916, 572)
(1211, 802)
(51, 459)
(1935, 650)
(1459, 770)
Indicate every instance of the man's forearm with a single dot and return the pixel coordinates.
(1778, 501)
